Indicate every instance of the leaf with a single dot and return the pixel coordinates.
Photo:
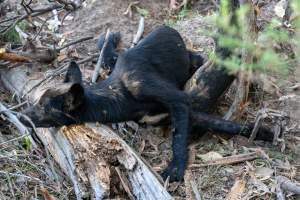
(264, 172)
(46, 194)
(210, 156)
(26, 143)
(237, 190)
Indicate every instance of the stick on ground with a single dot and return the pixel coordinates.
(100, 59)
(139, 32)
(230, 160)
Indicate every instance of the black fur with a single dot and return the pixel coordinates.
(111, 54)
(147, 79)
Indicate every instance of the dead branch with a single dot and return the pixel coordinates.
(229, 160)
(26, 6)
(42, 55)
(14, 120)
(75, 42)
(139, 32)
(129, 8)
(288, 185)
(100, 59)
(13, 57)
(22, 175)
(258, 122)
(60, 70)
(40, 29)
(34, 13)
(47, 55)
(14, 139)
(125, 183)
(279, 193)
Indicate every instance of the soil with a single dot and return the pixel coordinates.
(97, 16)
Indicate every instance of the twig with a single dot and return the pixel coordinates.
(36, 85)
(100, 59)
(10, 185)
(279, 192)
(139, 32)
(195, 190)
(48, 158)
(240, 95)
(21, 175)
(24, 160)
(258, 122)
(125, 183)
(75, 42)
(230, 160)
(14, 120)
(40, 29)
(34, 13)
(64, 17)
(129, 8)
(36, 137)
(59, 71)
(9, 19)
(295, 87)
(14, 139)
(288, 185)
(26, 6)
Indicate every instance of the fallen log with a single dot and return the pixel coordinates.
(229, 160)
(88, 154)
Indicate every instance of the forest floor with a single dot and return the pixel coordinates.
(25, 172)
